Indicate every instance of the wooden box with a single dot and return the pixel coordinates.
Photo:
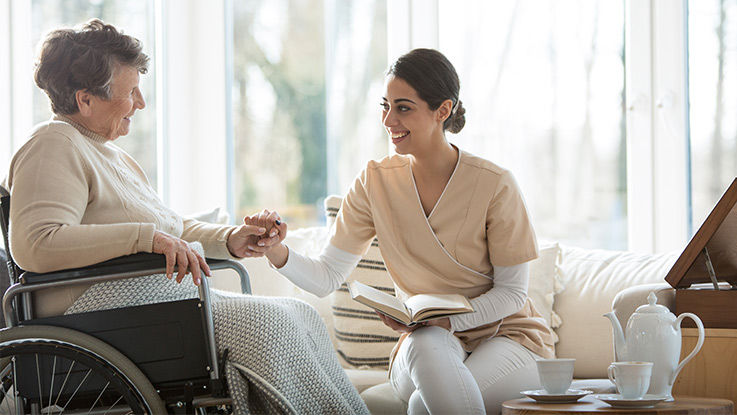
(705, 275)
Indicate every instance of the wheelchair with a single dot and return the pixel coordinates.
(150, 359)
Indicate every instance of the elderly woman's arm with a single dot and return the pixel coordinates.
(49, 188)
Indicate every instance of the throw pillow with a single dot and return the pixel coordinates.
(363, 341)
(545, 281)
(217, 215)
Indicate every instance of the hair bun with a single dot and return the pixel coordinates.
(457, 119)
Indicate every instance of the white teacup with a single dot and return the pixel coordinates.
(556, 375)
(631, 378)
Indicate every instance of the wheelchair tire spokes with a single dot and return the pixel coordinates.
(38, 378)
(86, 383)
(51, 390)
(63, 384)
(6, 387)
(86, 375)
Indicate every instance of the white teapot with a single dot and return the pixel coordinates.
(654, 335)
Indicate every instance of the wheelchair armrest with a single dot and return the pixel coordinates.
(124, 264)
(135, 263)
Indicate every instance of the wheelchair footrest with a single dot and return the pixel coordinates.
(207, 402)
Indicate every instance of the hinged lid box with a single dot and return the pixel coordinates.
(705, 275)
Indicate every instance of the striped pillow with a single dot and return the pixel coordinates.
(363, 341)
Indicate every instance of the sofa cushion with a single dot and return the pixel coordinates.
(381, 399)
(591, 279)
(363, 379)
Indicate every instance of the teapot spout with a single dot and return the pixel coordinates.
(620, 347)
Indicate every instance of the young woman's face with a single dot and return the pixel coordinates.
(408, 120)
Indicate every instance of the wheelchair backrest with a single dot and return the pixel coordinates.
(13, 270)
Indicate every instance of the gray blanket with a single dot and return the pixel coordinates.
(280, 357)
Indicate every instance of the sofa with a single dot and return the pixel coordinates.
(571, 287)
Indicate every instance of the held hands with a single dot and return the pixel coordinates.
(401, 328)
(178, 253)
(258, 234)
(276, 228)
(248, 235)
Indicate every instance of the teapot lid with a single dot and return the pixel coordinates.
(652, 307)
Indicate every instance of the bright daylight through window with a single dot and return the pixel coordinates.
(712, 32)
(307, 77)
(545, 84)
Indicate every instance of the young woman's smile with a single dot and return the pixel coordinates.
(409, 121)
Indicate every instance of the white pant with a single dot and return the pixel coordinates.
(433, 374)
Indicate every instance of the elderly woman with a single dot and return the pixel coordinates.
(78, 199)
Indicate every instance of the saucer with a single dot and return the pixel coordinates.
(571, 395)
(618, 401)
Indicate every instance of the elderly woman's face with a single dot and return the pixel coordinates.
(112, 118)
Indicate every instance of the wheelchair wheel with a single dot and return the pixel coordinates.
(47, 370)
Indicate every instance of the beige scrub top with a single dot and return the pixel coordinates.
(479, 220)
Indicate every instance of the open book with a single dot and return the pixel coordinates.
(416, 309)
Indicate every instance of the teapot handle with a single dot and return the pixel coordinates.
(695, 350)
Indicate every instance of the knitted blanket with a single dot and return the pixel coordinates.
(280, 358)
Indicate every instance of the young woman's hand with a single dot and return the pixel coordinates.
(441, 322)
(397, 326)
(178, 253)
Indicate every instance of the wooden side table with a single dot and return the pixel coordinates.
(588, 404)
(712, 373)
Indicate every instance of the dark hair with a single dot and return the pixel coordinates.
(84, 59)
(435, 79)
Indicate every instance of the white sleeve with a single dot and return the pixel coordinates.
(506, 298)
(321, 275)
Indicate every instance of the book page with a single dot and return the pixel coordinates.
(424, 306)
(378, 300)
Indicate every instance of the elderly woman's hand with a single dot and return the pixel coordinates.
(242, 237)
(178, 253)
(276, 231)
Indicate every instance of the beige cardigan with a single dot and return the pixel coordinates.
(78, 199)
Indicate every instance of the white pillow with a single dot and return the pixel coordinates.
(592, 278)
(545, 281)
(217, 215)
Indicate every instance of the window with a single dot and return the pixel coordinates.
(585, 101)
(306, 85)
(712, 50)
(133, 17)
(543, 86)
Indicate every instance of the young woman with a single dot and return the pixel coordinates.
(448, 222)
